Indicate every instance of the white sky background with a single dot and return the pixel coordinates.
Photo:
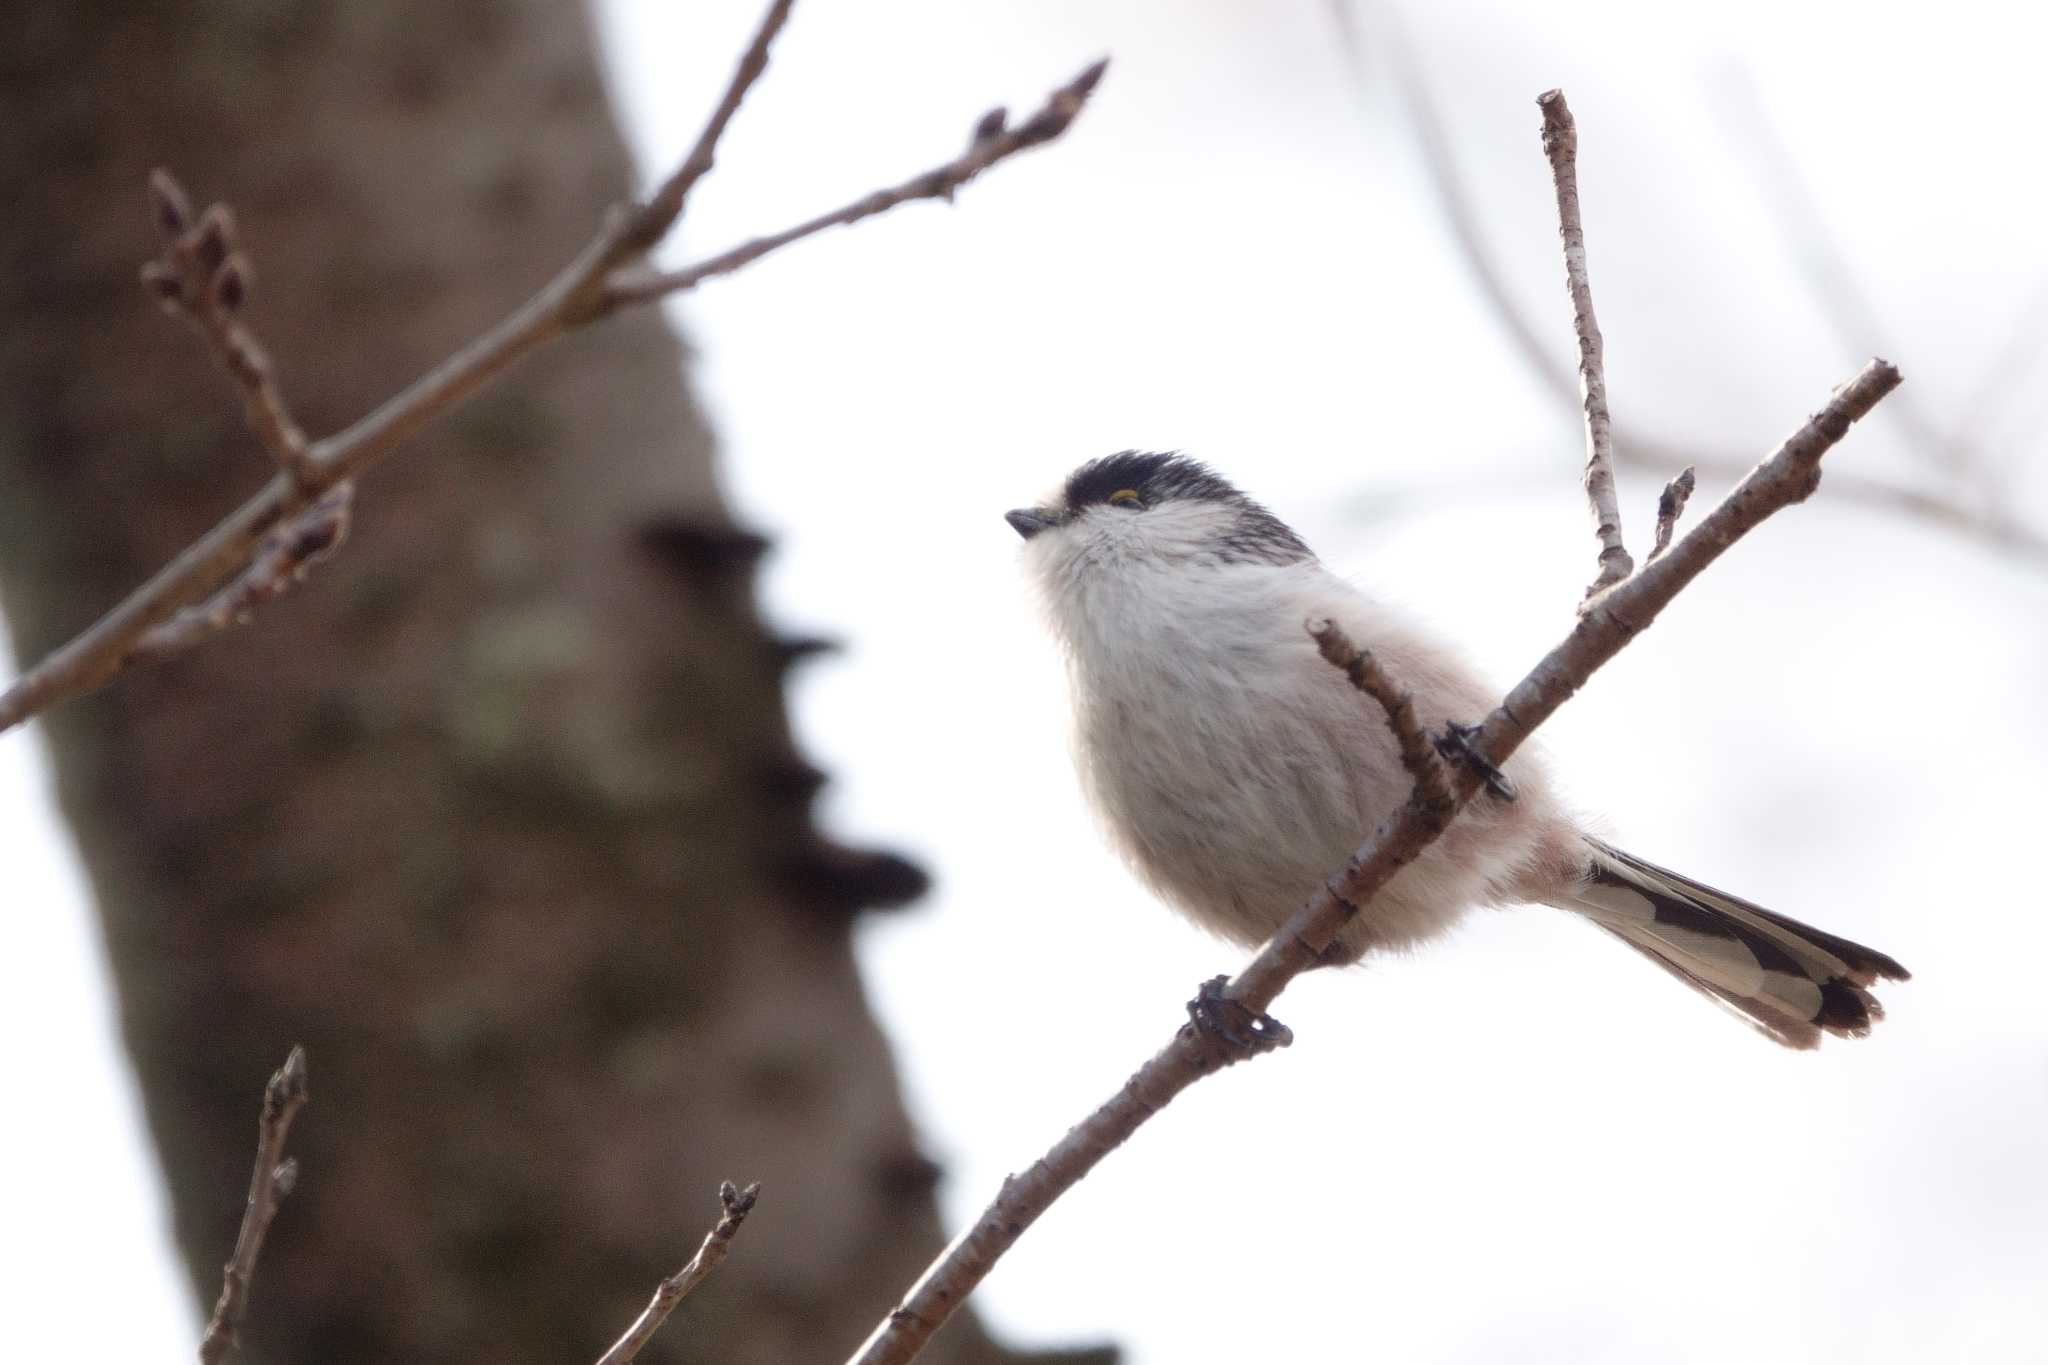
(1521, 1144)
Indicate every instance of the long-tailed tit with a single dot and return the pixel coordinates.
(1236, 769)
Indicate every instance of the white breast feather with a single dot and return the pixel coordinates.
(1235, 769)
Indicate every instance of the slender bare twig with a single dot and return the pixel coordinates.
(1670, 507)
(992, 141)
(284, 558)
(269, 1183)
(1561, 148)
(1790, 474)
(1362, 667)
(1995, 526)
(652, 220)
(589, 288)
(203, 276)
(737, 1204)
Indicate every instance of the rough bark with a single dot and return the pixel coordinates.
(499, 814)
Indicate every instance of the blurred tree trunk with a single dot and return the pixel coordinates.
(499, 813)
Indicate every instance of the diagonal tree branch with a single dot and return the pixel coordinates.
(589, 288)
(269, 1183)
(664, 208)
(1790, 475)
(287, 554)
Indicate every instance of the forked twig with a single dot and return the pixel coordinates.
(991, 141)
(1790, 474)
(203, 276)
(592, 286)
(1995, 527)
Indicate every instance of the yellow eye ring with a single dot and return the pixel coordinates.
(1126, 497)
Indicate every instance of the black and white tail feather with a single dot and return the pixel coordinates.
(1788, 980)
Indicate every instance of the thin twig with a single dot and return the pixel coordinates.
(1561, 148)
(203, 276)
(1670, 507)
(1362, 667)
(1790, 474)
(589, 288)
(1993, 527)
(665, 206)
(737, 1203)
(269, 1183)
(992, 142)
(287, 554)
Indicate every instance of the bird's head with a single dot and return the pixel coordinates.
(1140, 509)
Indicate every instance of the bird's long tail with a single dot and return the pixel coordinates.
(1789, 981)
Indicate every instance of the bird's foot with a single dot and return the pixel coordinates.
(1455, 744)
(1245, 1031)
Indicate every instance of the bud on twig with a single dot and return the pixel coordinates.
(171, 205)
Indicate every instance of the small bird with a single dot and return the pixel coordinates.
(1236, 769)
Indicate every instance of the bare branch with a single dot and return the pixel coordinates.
(989, 143)
(665, 206)
(269, 1183)
(1994, 527)
(1670, 507)
(1989, 528)
(1788, 476)
(1358, 664)
(203, 277)
(737, 1204)
(587, 289)
(1561, 147)
(285, 557)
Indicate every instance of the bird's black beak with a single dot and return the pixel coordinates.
(1027, 521)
